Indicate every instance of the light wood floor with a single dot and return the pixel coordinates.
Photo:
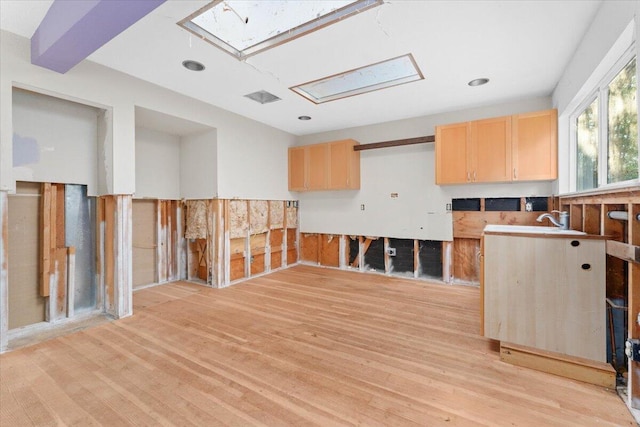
(304, 346)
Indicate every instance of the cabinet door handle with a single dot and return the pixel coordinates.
(515, 175)
(474, 175)
(468, 176)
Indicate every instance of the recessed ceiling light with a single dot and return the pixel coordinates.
(263, 97)
(246, 27)
(304, 117)
(391, 72)
(478, 82)
(192, 65)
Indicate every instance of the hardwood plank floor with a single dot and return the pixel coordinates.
(303, 346)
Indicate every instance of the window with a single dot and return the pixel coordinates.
(606, 131)
(246, 27)
(391, 72)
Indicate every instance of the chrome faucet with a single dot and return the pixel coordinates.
(564, 219)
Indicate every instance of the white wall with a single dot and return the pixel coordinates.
(157, 165)
(592, 59)
(199, 166)
(419, 211)
(54, 140)
(251, 155)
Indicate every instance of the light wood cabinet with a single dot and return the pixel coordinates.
(344, 165)
(297, 168)
(490, 156)
(452, 152)
(535, 146)
(546, 292)
(521, 147)
(327, 166)
(317, 167)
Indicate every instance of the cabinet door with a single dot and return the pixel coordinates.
(344, 165)
(535, 146)
(546, 293)
(451, 154)
(318, 166)
(297, 168)
(491, 150)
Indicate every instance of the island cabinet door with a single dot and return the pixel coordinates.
(547, 293)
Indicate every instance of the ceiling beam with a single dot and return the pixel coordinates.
(395, 143)
(72, 30)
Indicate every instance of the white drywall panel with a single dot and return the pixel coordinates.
(157, 165)
(419, 210)
(253, 156)
(253, 163)
(199, 166)
(54, 140)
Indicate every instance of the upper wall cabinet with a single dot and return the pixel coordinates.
(535, 146)
(521, 147)
(327, 166)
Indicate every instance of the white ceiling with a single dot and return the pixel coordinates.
(522, 46)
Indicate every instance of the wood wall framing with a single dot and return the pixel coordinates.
(456, 261)
(590, 213)
(245, 238)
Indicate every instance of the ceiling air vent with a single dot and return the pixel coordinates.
(263, 97)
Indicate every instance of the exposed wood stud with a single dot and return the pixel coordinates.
(447, 261)
(109, 266)
(100, 248)
(387, 257)
(227, 243)
(344, 251)
(45, 239)
(416, 258)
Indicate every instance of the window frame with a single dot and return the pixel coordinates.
(601, 93)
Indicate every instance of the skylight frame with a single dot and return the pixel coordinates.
(364, 89)
(285, 36)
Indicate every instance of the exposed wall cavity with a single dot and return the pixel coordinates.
(196, 217)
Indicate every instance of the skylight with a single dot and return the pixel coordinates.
(391, 72)
(244, 28)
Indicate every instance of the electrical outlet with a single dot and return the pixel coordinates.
(528, 206)
(362, 207)
(391, 251)
(448, 207)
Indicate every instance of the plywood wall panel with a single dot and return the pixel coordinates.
(466, 261)
(330, 250)
(276, 260)
(309, 245)
(144, 242)
(236, 268)
(26, 306)
(257, 264)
